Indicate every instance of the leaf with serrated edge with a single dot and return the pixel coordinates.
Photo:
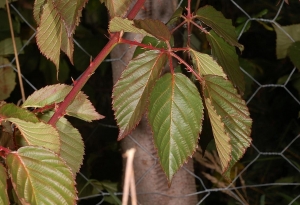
(154, 27)
(70, 12)
(47, 96)
(38, 9)
(131, 92)
(175, 17)
(234, 114)
(10, 110)
(7, 79)
(39, 176)
(118, 24)
(72, 147)
(226, 56)
(175, 116)
(222, 26)
(116, 7)
(283, 41)
(3, 186)
(205, 64)
(40, 134)
(222, 139)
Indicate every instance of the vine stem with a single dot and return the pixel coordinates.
(114, 40)
(15, 51)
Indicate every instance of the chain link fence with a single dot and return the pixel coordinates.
(243, 189)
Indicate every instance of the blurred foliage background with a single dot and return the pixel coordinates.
(275, 113)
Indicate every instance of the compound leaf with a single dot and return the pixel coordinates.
(116, 7)
(234, 114)
(3, 186)
(175, 116)
(222, 26)
(226, 56)
(10, 110)
(40, 134)
(131, 92)
(39, 176)
(72, 147)
(205, 64)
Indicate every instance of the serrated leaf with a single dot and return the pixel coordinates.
(234, 114)
(7, 79)
(40, 134)
(118, 24)
(155, 27)
(149, 41)
(175, 17)
(10, 110)
(294, 53)
(131, 92)
(175, 116)
(38, 9)
(4, 200)
(39, 176)
(222, 26)
(226, 56)
(6, 46)
(81, 107)
(117, 7)
(50, 33)
(72, 147)
(205, 64)
(70, 13)
(283, 42)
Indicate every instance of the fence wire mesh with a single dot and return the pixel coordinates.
(208, 184)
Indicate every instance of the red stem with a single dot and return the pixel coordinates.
(122, 40)
(114, 40)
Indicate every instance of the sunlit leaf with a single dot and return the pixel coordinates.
(40, 134)
(175, 116)
(234, 114)
(205, 64)
(154, 27)
(283, 41)
(6, 46)
(38, 9)
(131, 92)
(222, 26)
(10, 110)
(3, 186)
(119, 24)
(7, 79)
(72, 147)
(226, 56)
(294, 53)
(40, 176)
(116, 7)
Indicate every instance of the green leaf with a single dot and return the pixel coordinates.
(10, 110)
(283, 42)
(72, 147)
(40, 134)
(205, 64)
(175, 116)
(222, 26)
(6, 46)
(7, 79)
(149, 41)
(154, 27)
(116, 7)
(52, 35)
(4, 200)
(38, 9)
(175, 17)
(234, 114)
(226, 56)
(39, 176)
(131, 92)
(81, 107)
(222, 139)
(294, 53)
(119, 24)
(70, 13)
(3, 4)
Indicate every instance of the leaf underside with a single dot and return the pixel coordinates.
(39, 176)
(3, 186)
(116, 7)
(175, 116)
(131, 92)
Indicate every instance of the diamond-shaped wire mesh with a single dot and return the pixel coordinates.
(208, 184)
